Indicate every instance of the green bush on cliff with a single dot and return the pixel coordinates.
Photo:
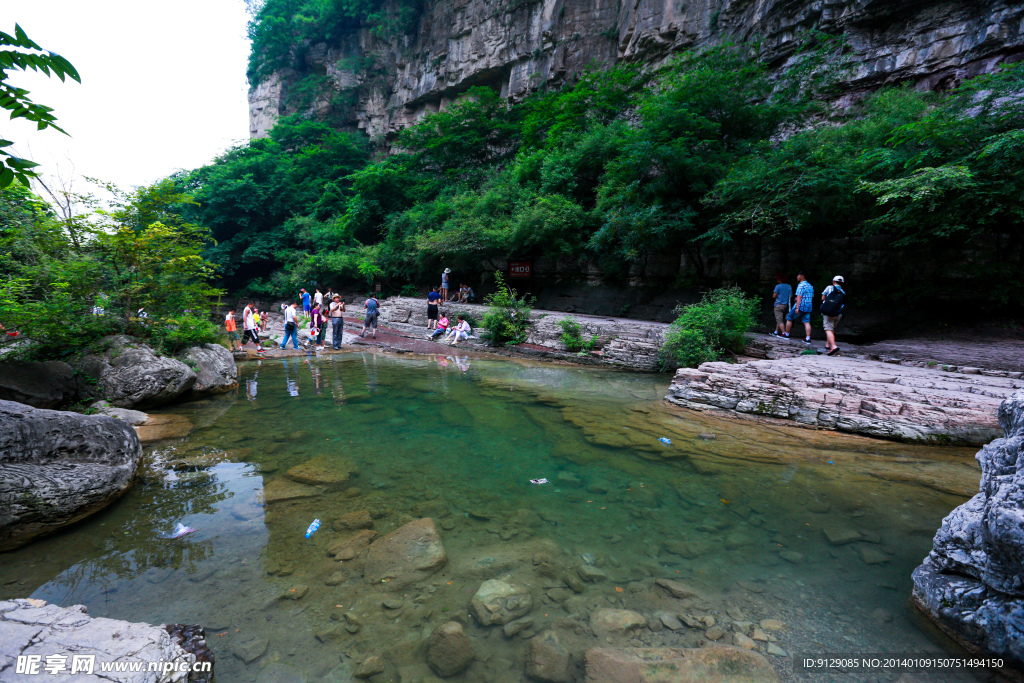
(709, 330)
(508, 315)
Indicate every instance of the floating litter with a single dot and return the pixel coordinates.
(830, 462)
(179, 531)
(666, 441)
(539, 481)
(312, 528)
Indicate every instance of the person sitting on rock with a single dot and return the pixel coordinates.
(441, 329)
(462, 331)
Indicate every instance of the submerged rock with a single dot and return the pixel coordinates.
(606, 622)
(972, 582)
(324, 470)
(547, 659)
(498, 602)
(34, 627)
(406, 555)
(678, 665)
(57, 468)
(449, 649)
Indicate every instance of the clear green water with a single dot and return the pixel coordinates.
(740, 516)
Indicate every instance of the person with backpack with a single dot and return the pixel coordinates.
(372, 307)
(833, 300)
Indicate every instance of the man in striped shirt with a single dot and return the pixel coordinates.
(801, 311)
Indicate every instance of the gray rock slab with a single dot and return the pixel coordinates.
(58, 467)
(34, 627)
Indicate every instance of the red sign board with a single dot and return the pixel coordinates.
(520, 269)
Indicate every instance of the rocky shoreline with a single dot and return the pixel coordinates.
(72, 642)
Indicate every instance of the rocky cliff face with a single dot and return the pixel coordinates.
(517, 45)
(972, 582)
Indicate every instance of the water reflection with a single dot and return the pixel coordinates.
(744, 511)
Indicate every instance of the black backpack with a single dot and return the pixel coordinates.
(833, 303)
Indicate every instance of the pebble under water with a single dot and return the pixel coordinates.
(817, 530)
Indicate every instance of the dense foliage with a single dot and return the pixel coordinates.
(21, 53)
(709, 330)
(508, 315)
(133, 268)
(621, 166)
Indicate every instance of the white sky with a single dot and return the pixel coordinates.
(163, 86)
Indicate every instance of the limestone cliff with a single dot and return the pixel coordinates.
(381, 86)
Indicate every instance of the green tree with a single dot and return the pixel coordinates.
(20, 53)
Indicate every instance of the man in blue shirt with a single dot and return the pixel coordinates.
(781, 296)
(802, 308)
(305, 300)
(432, 299)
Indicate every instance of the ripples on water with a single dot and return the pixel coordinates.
(737, 509)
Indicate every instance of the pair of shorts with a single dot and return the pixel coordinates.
(780, 314)
(431, 311)
(370, 321)
(233, 336)
(799, 316)
(830, 322)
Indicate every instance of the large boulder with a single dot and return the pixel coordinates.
(972, 582)
(41, 385)
(449, 649)
(129, 374)
(34, 628)
(57, 467)
(216, 372)
(408, 554)
(711, 664)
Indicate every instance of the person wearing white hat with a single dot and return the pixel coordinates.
(832, 303)
(444, 285)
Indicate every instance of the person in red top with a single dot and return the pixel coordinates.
(229, 325)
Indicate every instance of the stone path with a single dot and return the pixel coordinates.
(853, 395)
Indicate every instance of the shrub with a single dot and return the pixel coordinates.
(571, 336)
(508, 317)
(468, 317)
(170, 335)
(708, 330)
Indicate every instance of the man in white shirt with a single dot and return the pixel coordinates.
(318, 298)
(249, 326)
(291, 326)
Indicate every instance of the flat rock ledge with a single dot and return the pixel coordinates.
(972, 582)
(860, 396)
(58, 467)
(70, 637)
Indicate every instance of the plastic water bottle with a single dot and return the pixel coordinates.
(312, 528)
(666, 441)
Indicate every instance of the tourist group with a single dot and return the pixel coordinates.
(788, 311)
